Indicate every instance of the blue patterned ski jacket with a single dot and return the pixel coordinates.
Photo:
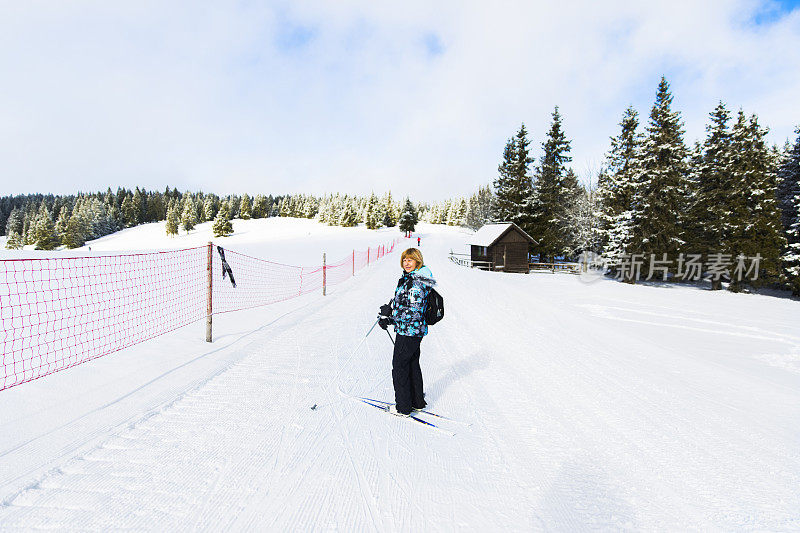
(408, 305)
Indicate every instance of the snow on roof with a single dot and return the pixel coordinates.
(491, 232)
(488, 234)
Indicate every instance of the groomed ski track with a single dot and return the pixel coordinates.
(593, 406)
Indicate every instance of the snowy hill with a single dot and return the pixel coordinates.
(593, 405)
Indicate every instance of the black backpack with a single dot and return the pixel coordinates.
(434, 308)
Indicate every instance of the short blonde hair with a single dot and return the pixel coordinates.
(414, 254)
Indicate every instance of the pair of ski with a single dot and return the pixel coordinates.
(384, 406)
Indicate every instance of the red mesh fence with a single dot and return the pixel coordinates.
(59, 312)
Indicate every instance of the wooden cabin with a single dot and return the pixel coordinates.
(501, 247)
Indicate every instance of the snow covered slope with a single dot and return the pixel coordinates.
(593, 406)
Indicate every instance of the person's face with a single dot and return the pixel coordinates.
(409, 264)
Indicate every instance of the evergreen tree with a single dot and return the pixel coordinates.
(371, 212)
(552, 192)
(245, 208)
(171, 226)
(284, 207)
(61, 224)
(77, 229)
(139, 207)
(14, 241)
(188, 214)
(15, 222)
(130, 213)
(584, 225)
(222, 226)
(29, 224)
(574, 198)
(260, 207)
(386, 212)
(713, 190)
(789, 196)
(616, 186)
(513, 188)
(209, 208)
(408, 219)
(44, 233)
(660, 198)
(14, 229)
(349, 215)
(101, 222)
(156, 210)
(758, 229)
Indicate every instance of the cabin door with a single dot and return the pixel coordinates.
(500, 257)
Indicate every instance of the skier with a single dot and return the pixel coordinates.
(418, 241)
(406, 312)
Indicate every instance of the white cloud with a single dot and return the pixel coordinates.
(353, 96)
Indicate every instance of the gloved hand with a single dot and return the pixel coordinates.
(385, 316)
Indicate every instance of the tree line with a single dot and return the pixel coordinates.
(48, 222)
(729, 194)
(51, 221)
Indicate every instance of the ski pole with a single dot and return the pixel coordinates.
(390, 336)
(314, 407)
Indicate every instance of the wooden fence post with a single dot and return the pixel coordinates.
(210, 298)
(324, 272)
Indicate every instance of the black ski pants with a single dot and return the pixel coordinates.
(406, 374)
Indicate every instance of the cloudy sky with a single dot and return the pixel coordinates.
(353, 96)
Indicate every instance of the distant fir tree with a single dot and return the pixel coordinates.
(408, 219)
(44, 233)
(349, 214)
(15, 222)
(285, 207)
(387, 214)
(156, 210)
(789, 197)
(479, 208)
(616, 185)
(371, 212)
(406, 223)
(139, 207)
(660, 197)
(553, 191)
(310, 206)
(245, 208)
(173, 219)
(260, 207)
(29, 224)
(210, 207)
(14, 241)
(61, 223)
(457, 215)
(130, 213)
(222, 226)
(14, 228)
(513, 188)
(189, 214)
(758, 229)
(77, 228)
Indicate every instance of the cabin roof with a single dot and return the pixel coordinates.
(491, 233)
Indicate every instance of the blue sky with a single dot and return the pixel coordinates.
(354, 96)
